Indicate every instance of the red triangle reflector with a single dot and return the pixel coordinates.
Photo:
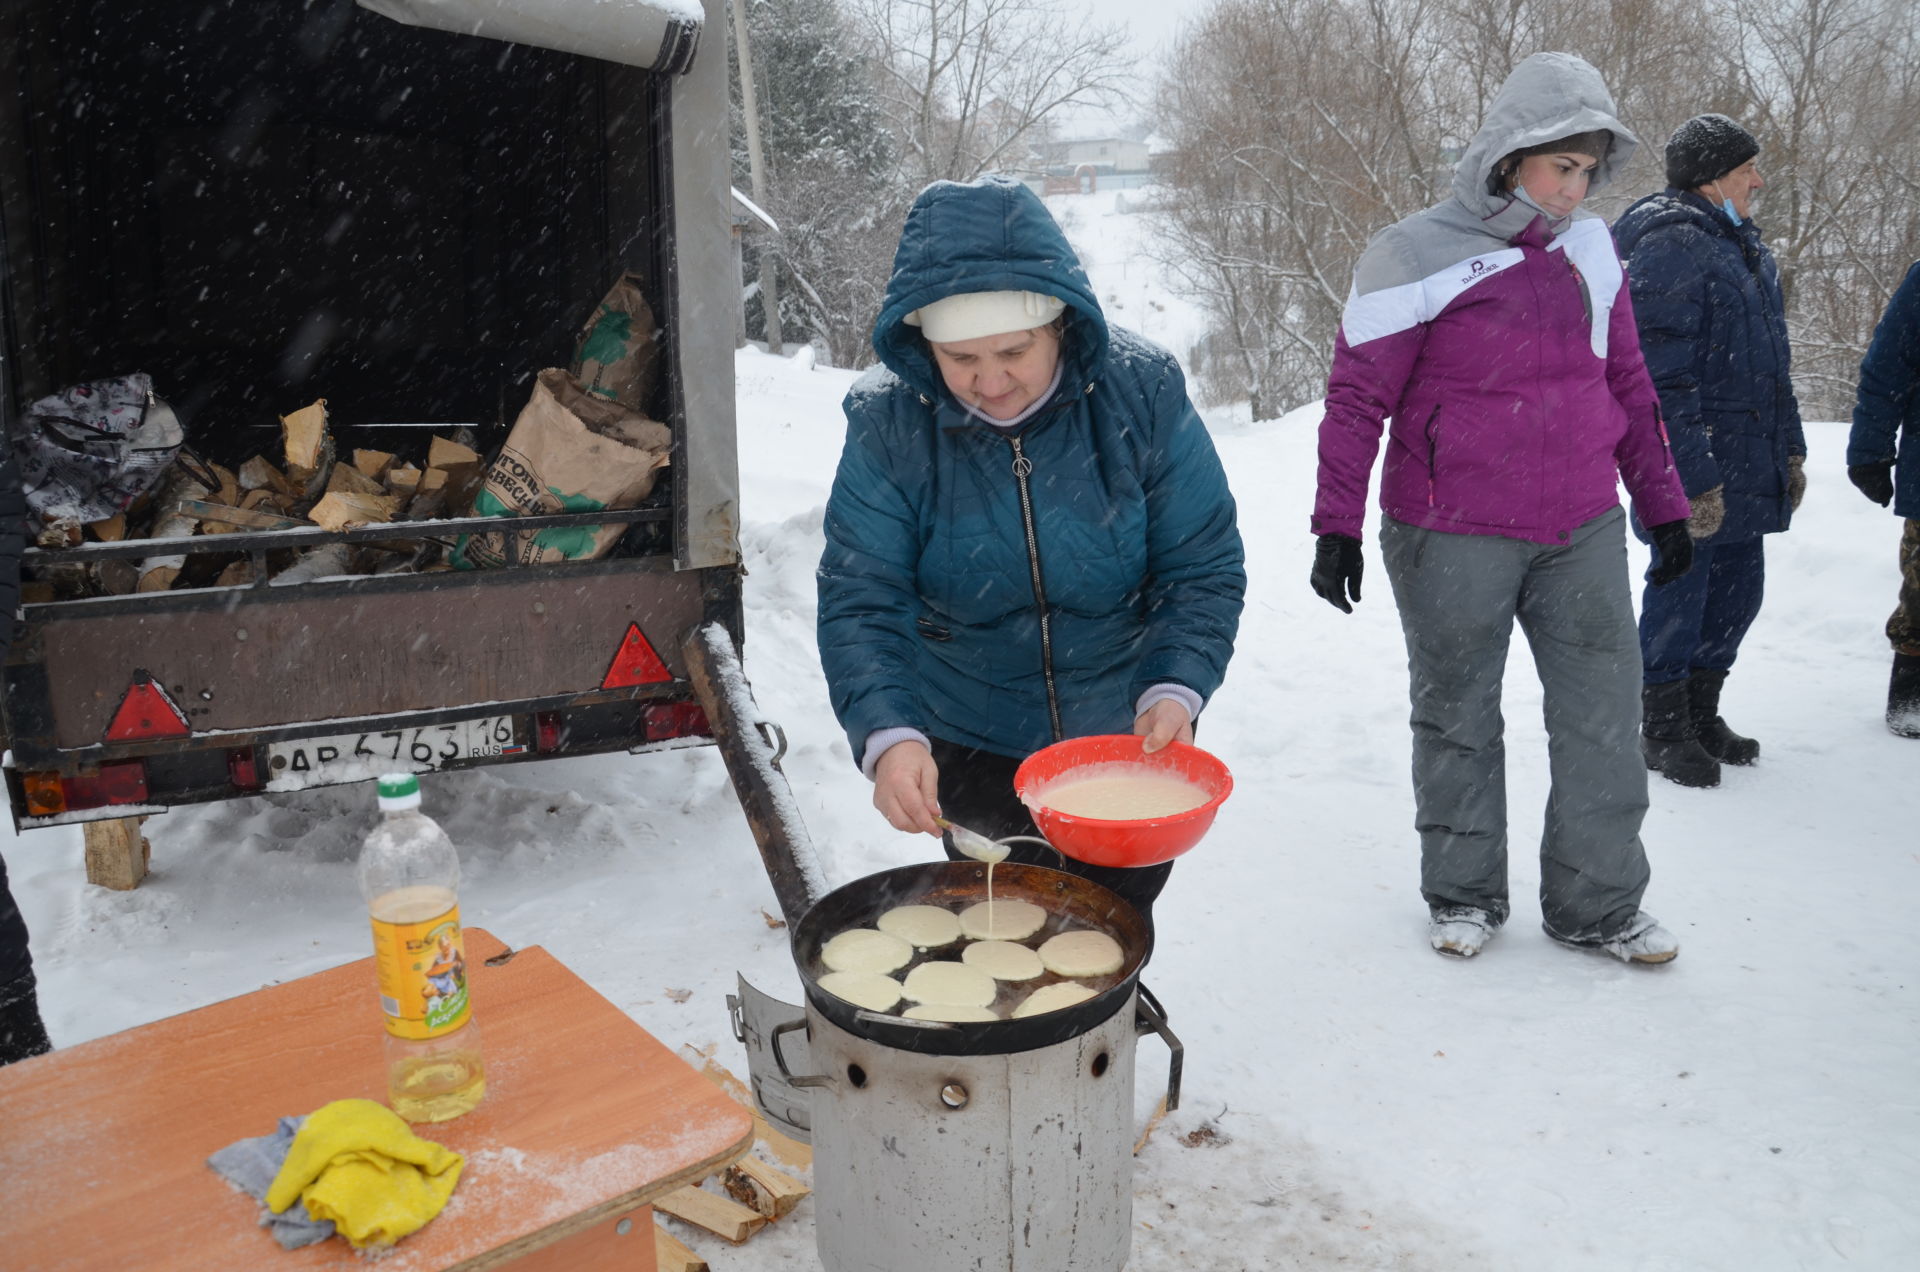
(635, 663)
(147, 712)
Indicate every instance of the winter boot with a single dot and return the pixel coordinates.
(1716, 739)
(22, 1035)
(1669, 740)
(1459, 930)
(1643, 940)
(1903, 696)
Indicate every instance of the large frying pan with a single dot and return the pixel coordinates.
(1070, 901)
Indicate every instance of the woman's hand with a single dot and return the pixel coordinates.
(906, 787)
(1163, 722)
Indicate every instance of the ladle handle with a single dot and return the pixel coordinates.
(780, 1059)
(1151, 1017)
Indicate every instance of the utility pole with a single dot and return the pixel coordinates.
(757, 168)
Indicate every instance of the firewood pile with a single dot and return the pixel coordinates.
(582, 444)
(306, 486)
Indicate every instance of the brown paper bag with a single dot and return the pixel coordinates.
(568, 452)
(617, 355)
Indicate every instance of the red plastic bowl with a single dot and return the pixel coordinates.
(1099, 842)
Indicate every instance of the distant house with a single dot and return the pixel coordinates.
(1096, 162)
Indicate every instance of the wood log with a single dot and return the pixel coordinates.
(229, 490)
(350, 480)
(403, 479)
(238, 574)
(772, 1192)
(259, 473)
(220, 519)
(723, 1217)
(117, 853)
(673, 1256)
(372, 463)
(338, 510)
(304, 435)
(112, 530)
(115, 578)
(443, 452)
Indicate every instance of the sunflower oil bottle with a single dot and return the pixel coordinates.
(410, 876)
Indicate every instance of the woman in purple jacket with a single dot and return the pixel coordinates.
(1496, 332)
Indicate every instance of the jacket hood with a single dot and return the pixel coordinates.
(1671, 207)
(1548, 96)
(988, 235)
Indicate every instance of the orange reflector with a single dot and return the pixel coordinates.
(147, 712)
(635, 663)
(44, 795)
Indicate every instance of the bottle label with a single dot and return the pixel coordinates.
(423, 975)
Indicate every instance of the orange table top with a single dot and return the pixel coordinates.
(103, 1146)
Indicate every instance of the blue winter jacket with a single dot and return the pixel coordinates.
(1886, 412)
(1713, 328)
(931, 611)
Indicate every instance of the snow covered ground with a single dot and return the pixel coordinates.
(1373, 1106)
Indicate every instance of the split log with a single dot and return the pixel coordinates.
(372, 463)
(672, 1255)
(346, 479)
(339, 509)
(259, 473)
(171, 521)
(112, 530)
(446, 453)
(403, 479)
(724, 1218)
(771, 1192)
(309, 450)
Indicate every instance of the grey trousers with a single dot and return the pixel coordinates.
(1458, 596)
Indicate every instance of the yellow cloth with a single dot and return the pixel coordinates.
(357, 1163)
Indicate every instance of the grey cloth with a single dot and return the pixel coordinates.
(1547, 97)
(251, 1164)
(1459, 596)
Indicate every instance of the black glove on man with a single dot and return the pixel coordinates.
(1675, 546)
(1874, 480)
(1336, 570)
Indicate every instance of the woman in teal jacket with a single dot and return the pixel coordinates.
(1030, 536)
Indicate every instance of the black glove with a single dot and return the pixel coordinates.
(1874, 480)
(1336, 570)
(1675, 548)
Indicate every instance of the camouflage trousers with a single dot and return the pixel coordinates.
(1903, 629)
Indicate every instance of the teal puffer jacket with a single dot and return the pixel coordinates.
(930, 616)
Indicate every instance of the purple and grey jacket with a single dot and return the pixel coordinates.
(1503, 347)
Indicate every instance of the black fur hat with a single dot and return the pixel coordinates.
(1706, 148)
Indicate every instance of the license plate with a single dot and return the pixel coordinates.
(356, 757)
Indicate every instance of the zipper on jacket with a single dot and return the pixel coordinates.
(1586, 297)
(1433, 454)
(1023, 469)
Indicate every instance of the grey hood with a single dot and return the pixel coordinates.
(1548, 96)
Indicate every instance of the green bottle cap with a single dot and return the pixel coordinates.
(399, 791)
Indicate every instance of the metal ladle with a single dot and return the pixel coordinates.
(992, 851)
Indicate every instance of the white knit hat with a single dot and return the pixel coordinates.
(970, 315)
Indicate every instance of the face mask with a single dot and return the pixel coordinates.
(1726, 205)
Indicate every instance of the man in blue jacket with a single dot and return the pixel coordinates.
(1706, 294)
(1886, 435)
(1030, 537)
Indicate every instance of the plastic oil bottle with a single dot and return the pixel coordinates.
(410, 877)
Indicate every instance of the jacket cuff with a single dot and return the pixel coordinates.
(1162, 692)
(880, 741)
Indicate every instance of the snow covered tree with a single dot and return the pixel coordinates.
(970, 86)
(830, 174)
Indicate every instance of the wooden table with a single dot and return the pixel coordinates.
(103, 1146)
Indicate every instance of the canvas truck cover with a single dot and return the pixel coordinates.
(654, 35)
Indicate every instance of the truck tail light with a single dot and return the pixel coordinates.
(243, 769)
(549, 731)
(122, 782)
(675, 720)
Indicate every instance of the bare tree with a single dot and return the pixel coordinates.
(970, 85)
